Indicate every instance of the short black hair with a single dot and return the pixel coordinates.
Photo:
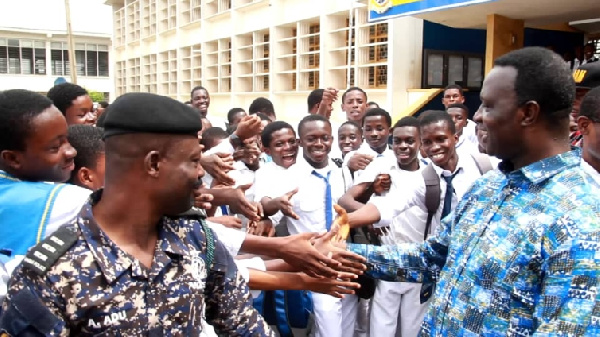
(261, 104)
(311, 118)
(433, 116)
(88, 142)
(63, 95)
(351, 123)
(267, 135)
(455, 86)
(373, 103)
(543, 77)
(196, 88)
(17, 110)
(407, 121)
(212, 134)
(315, 97)
(378, 112)
(459, 106)
(353, 89)
(590, 105)
(263, 117)
(232, 112)
(103, 104)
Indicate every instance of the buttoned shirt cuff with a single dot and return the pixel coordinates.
(386, 213)
(252, 263)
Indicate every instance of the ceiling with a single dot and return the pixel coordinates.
(535, 13)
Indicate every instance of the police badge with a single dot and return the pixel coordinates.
(380, 6)
(198, 271)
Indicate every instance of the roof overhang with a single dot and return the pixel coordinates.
(535, 13)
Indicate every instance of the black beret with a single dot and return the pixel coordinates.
(149, 113)
(588, 75)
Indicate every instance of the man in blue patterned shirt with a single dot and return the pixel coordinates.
(520, 255)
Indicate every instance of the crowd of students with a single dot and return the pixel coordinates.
(134, 226)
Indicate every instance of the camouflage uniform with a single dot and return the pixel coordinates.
(78, 282)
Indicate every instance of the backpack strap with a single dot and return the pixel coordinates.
(432, 195)
(483, 162)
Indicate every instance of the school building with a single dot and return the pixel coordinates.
(34, 45)
(283, 49)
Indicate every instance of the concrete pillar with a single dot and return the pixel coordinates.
(503, 35)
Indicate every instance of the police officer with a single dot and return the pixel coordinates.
(125, 265)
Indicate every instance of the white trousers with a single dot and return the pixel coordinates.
(396, 310)
(334, 317)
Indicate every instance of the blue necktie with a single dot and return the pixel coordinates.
(224, 210)
(328, 201)
(448, 197)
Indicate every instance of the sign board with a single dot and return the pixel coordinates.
(388, 9)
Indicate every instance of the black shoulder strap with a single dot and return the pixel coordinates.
(338, 162)
(42, 257)
(432, 195)
(483, 162)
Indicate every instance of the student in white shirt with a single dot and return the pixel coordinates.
(201, 100)
(589, 125)
(349, 139)
(438, 140)
(35, 159)
(454, 94)
(460, 116)
(376, 130)
(273, 188)
(395, 307)
(319, 185)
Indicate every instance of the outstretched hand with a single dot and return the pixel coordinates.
(340, 225)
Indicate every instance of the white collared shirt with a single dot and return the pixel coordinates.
(409, 225)
(387, 155)
(587, 168)
(309, 202)
(469, 132)
(413, 193)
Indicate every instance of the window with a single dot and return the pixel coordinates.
(22, 57)
(91, 59)
(378, 37)
(378, 76)
(442, 68)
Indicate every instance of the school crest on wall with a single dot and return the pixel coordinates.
(380, 6)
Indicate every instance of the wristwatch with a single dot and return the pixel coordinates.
(235, 140)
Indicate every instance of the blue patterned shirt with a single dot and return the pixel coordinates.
(519, 257)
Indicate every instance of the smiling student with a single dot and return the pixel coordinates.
(314, 184)
(457, 174)
(35, 159)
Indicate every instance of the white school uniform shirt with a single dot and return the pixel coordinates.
(409, 225)
(272, 181)
(392, 205)
(217, 122)
(587, 168)
(364, 148)
(309, 202)
(242, 175)
(465, 145)
(469, 132)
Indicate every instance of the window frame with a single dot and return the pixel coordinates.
(445, 72)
